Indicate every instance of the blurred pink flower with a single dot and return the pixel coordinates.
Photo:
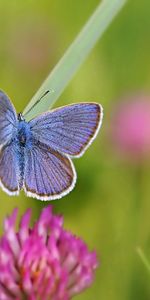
(45, 262)
(131, 127)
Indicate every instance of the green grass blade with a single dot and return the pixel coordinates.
(74, 56)
(143, 259)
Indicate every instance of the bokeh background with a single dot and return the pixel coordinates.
(110, 206)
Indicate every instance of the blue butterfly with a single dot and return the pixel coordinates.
(35, 155)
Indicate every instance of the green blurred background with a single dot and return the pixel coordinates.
(110, 206)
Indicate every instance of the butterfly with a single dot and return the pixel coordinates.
(36, 156)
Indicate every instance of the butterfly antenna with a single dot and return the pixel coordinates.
(48, 91)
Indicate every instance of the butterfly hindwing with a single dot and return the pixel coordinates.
(48, 174)
(9, 170)
(69, 129)
(8, 119)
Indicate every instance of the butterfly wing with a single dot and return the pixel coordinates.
(8, 119)
(8, 170)
(69, 129)
(48, 175)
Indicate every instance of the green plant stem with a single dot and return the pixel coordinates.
(75, 56)
(143, 259)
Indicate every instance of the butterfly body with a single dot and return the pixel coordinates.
(21, 142)
(36, 155)
(24, 136)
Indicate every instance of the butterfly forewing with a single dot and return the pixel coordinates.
(48, 174)
(69, 129)
(8, 119)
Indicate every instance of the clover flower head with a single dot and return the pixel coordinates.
(45, 262)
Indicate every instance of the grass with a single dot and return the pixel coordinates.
(74, 57)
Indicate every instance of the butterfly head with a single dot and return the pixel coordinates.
(20, 117)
